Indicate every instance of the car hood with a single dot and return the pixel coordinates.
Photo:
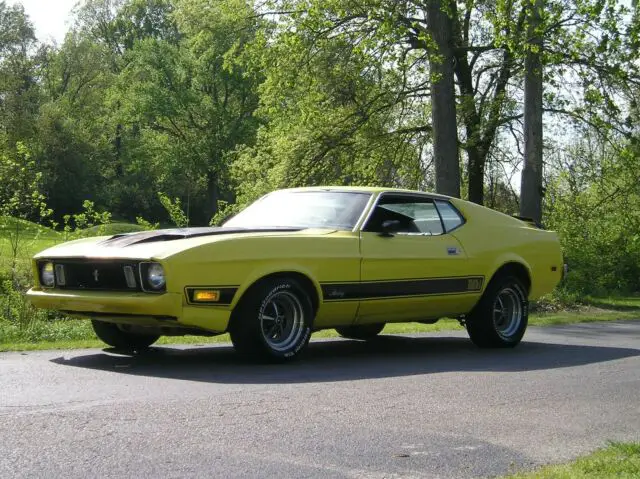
(158, 244)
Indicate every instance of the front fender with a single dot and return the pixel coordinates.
(266, 270)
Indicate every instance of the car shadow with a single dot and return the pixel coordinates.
(343, 360)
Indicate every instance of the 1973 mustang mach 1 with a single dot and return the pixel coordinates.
(306, 259)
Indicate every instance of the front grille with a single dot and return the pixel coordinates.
(96, 275)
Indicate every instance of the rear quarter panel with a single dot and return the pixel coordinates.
(492, 239)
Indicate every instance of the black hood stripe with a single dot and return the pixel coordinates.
(128, 239)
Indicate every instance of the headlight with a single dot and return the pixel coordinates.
(47, 276)
(155, 276)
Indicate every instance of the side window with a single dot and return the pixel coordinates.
(416, 215)
(450, 216)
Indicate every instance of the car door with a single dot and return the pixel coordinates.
(419, 271)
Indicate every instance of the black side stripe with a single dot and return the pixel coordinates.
(400, 288)
(226, 295)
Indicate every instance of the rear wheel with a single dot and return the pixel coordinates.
(273, 321)
(360, 331)
(500, 319)
(115, 336)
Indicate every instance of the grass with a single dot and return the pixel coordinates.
(35, 238)
(77, 333)
(37, 330)
(30, 239)
(621, 303)
(618, 460)
(111, 229)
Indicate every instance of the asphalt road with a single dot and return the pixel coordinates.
(425, 406)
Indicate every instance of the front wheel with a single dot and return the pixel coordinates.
(273, 321)
(500, 318)
(115, 336)
(360, 331)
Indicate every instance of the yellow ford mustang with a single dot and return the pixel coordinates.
(306, 259)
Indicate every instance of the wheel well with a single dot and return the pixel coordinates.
(514, 269)
(304, 281)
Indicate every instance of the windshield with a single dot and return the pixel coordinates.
(303, 209)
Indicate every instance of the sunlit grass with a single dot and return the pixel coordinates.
(34, 238)
(69, 334)
(618, 460)
(587, 316)
(77, 333)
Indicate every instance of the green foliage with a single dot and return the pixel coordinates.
(332, 102)
(174, 209)
(22, 323)
(224, 211)
(89, 222)
(33, 237)
(15, 309)
(20, 185)
(19, 92)
(112, 229)
(69, 333)
(189, 102)
(146, 225)
(20, 197)
(595, 207)
(215, 102)
(90, 217)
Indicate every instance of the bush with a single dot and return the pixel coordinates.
(561, 299)
(596, 212)
(20, 322)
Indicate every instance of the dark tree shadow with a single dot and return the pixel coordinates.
(604, 304)
(341, 360)
(627, 328)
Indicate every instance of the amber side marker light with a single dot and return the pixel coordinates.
(206, 296)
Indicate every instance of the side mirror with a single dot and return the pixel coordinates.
(389, 227)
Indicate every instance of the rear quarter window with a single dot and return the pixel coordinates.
(451, 218)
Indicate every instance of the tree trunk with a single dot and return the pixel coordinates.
(472, 123)
(476, 174)
(213, 195)
(531, 183)
(117, 146)
(443, 102)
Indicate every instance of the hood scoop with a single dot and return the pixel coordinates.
(129, 239)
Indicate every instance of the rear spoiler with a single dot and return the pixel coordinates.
(531, 221)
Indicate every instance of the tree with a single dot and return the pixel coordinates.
(488, 46)
(594, 205)
(326, 117)
(443, 104)
(20, 199)
(74, 146)
(190, 102)
(531, 186)
(19, 99)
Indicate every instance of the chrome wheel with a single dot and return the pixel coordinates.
(507, 312)
(282, 320)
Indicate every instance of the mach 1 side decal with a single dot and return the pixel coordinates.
(400, 288)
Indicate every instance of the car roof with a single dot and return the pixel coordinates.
(366, 189)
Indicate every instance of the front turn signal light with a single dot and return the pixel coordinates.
(206, 296)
